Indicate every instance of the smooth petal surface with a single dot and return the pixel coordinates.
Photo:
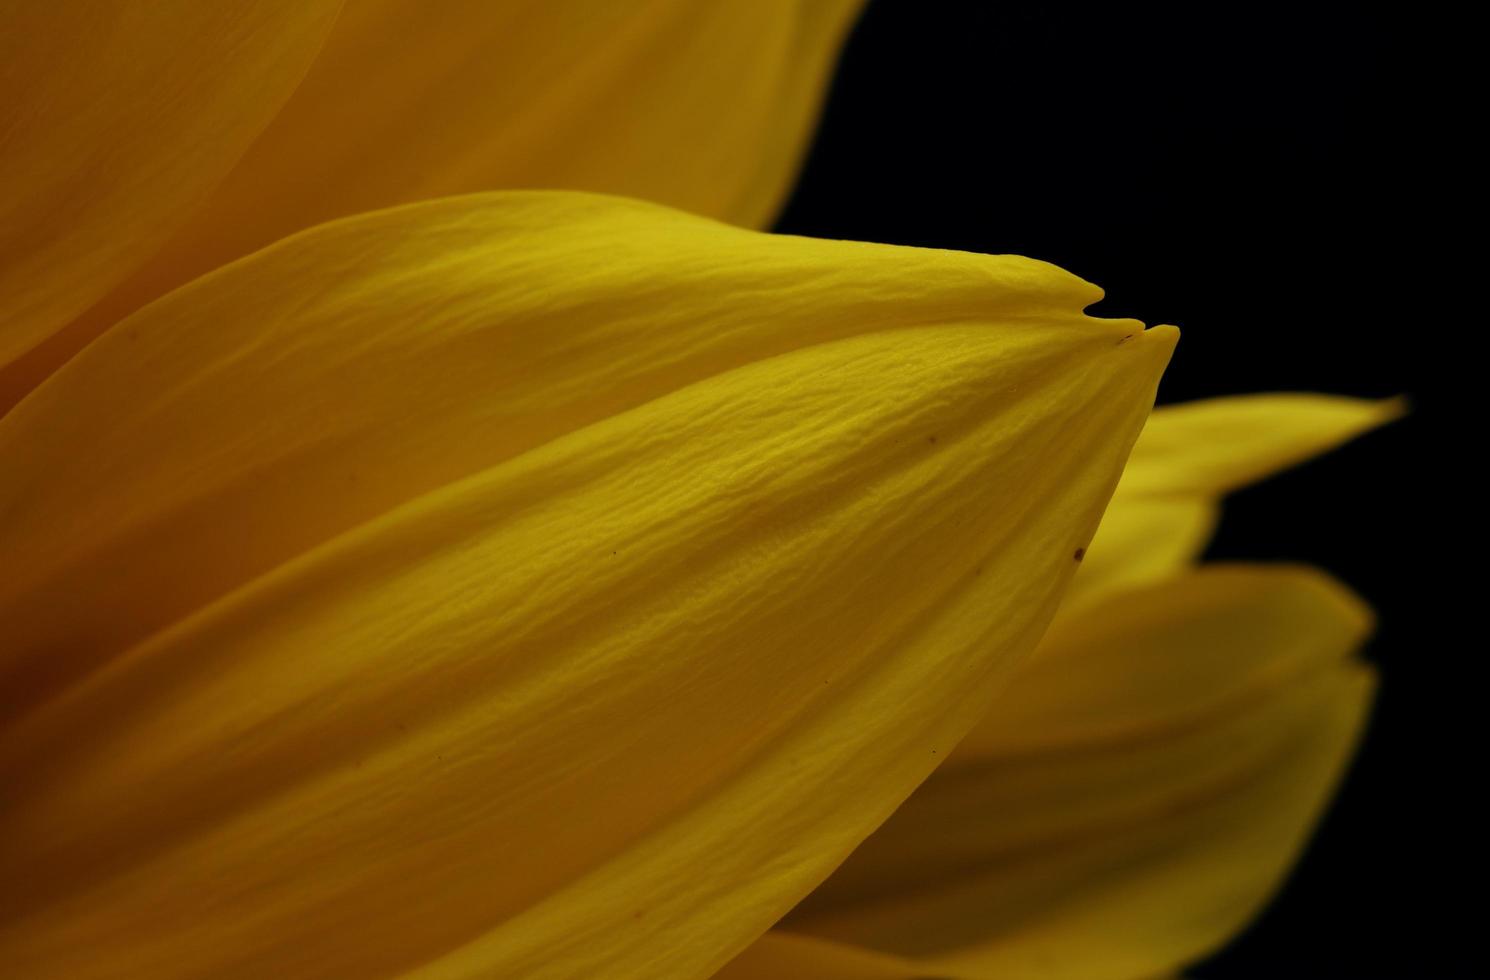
(1188, 457)
(118, 120)
(1139, 791)
(1169, 655)
(707, 107)
(1143, 538)
(533, 584)
(782, 955)
(1219, 444)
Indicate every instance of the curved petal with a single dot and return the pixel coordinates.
(1125, 843)
(782, 955)
(118, 120)
(1142, 538)
(1169, 654)
(528, 585)
(285, 400)
(707, 107)
(1189, 455)
(1219, 444)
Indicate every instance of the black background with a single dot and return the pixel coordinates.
(1259, 175)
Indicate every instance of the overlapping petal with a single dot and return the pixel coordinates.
(1132, 800)
(118, 120)
(1188, 457)
(528, 584)
(1216, 445)
(782, 955)
(704, 106)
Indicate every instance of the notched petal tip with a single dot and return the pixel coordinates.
(1153, 347)
(1157, 343)
(1164, 333)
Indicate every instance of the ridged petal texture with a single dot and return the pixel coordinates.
(704, 106)
(1147, 778)
(530, 584)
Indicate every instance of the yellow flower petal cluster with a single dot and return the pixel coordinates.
(417, 564)
(144, 144)
(1144, 782)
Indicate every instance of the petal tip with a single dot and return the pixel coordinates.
(1391, 409)
(1156, 343)
(1165, 334)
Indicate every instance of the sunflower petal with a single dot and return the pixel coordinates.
(1167, 654)
(707, 107)
(1189, 455)
(1219, 444)
(781, 955)
(267, 409)
(1127, 844)
(1142, 538)
(527, 585)
(119, 118)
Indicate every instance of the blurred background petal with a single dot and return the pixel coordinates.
(118, 120)
(1135, 795)
(705, 106)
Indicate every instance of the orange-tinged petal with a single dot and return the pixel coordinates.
(118, 120)
(534, 584)
(703, 106)
(706, 107)
(1119, 818)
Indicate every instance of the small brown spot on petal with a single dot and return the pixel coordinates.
(1080, 554)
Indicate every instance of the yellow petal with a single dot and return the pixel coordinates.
(263, 411)
(704, 106)
(537, 584)
(781, 955)
(1189, 455)
(1155, 795)
(1142, 538)
(1220, 444)
(1170, 653)
(118, 120)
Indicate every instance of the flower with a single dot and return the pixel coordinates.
(147, 144)
(411, 577)
(490, 561)
(1143, 784)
